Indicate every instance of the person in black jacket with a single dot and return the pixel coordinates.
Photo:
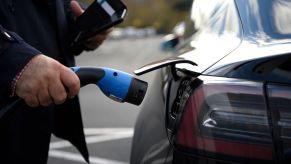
(35, 54)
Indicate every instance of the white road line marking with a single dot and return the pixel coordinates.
(95, 131)
(96, 135)
(95, 139)
(79, 158)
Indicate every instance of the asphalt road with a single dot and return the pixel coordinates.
(108, 124)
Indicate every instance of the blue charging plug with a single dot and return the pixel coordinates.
(115, 84)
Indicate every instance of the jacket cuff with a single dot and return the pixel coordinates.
(17, 77)
(13, 59)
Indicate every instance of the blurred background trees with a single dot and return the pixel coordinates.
(163, 15)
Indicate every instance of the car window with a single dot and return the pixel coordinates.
(266, 19)
(282, 16)
(218, 16)
(201, 13)
(225, 20)
(282, 73)
(203, 10)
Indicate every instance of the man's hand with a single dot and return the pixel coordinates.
(96, 40)
(45, 81)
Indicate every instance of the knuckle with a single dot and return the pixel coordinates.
(44, 97)
(31, 102)
(58, 93)
(74, 84)
(70, 81)
(26, 95)
(53, 69)
(60, 98)
(45, 100)
(57, 66)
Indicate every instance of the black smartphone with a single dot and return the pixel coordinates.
(97, 17)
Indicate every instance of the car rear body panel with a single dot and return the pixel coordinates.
(246, 52)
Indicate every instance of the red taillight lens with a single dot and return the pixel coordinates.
(226, 117)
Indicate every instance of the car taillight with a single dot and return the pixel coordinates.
(226, 118)
(280, 104)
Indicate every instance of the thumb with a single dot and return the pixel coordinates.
(76, 8)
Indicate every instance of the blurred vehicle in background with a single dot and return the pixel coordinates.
(132, 32)
(224, 94)
(117, 33)
(170, 41)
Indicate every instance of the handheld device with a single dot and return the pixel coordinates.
(100, 15)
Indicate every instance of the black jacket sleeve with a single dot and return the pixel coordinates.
(14, 55)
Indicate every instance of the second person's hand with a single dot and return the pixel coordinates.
(95, 41)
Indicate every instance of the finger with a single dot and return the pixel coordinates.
(76, 8)
(58, 92)
(101, 36)
(32, 101)
(70, 81)
(106, 32)
(95, 42)
(93, 45)
(44, 97)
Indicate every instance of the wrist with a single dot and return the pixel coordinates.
(18, 76)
